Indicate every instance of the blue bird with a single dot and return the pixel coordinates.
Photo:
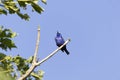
(60, 41)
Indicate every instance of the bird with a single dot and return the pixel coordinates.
(60, 41)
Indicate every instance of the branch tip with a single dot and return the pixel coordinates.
(69, 39)
(38, 28)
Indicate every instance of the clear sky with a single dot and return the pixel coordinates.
(94, 29)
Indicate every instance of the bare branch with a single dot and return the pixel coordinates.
(37, 46)
(53, 53)
(34, 58)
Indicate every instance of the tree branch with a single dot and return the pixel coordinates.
(37, 46)
(34, 58)
(53, 53)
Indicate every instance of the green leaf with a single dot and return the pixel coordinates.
(2, 56)
(8, 58)
(44, 1)
(38, 74)
(23, 16)
(6, 36)
(37, 8)
(2, 11)
(4, 75)
(13, 9)
(14, 34)
(7, 43)
(7, 33)
(29, 60)
(21, 3)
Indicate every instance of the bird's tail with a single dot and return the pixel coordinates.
(67, 52)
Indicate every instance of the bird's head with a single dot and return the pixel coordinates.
(58, 34)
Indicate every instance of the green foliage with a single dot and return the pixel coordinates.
(36, 7)
(13, 66)
(44, 1)
(38, 75)
(16, 6)
(2, 11)
(4, 75)
(2, 56)
(6, 36)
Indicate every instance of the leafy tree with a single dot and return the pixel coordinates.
(12, 67)
(17, 67)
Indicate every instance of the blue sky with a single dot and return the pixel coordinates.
(94, 29)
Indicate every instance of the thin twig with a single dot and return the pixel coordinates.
(37, 46)
(53, 53)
